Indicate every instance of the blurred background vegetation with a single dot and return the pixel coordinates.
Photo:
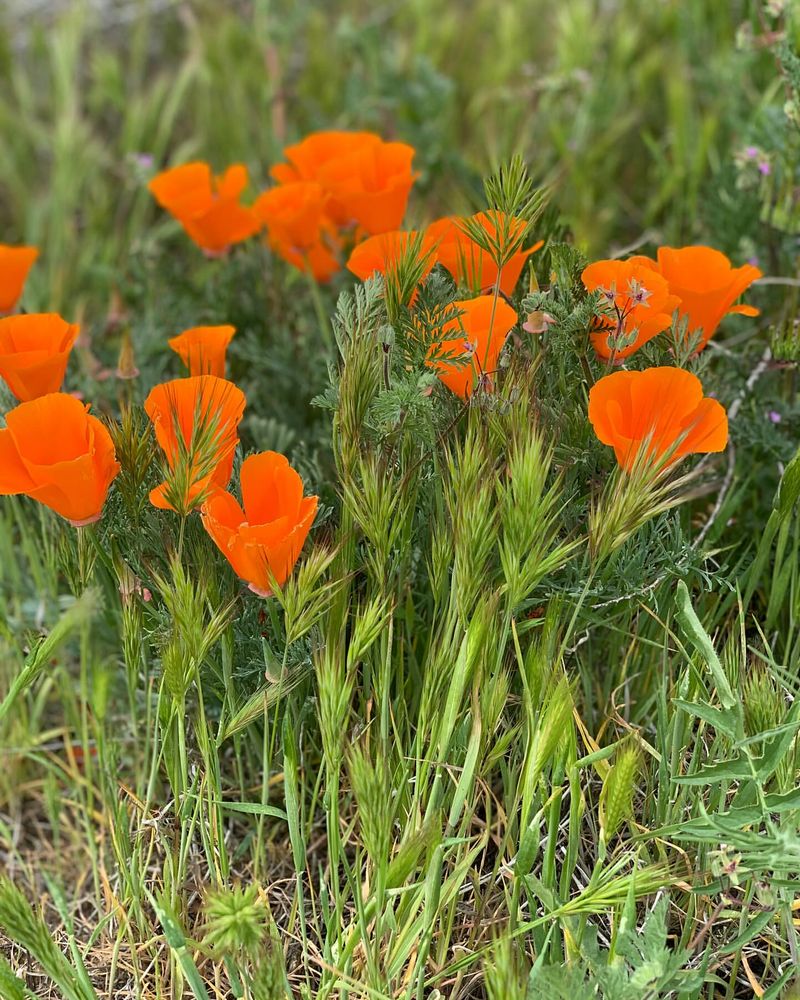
(637, 114)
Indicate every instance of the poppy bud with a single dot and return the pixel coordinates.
(126, 365)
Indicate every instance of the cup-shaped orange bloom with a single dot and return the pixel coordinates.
(202, 349)
(294, 213)
(15, 262)
(309, 158)
(478, 337)
(470, 264)
(706, 284)
(299, 227)
(195, 421)
(371, 185)
(262, 542)
(208, 207)
(636, 305)
(34, 350)
(381, 253)
(53, 450)
(658, 412)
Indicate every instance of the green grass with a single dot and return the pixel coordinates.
(498, 736)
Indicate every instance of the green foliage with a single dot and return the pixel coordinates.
(639, 965)
(509, 694)
(19, 921)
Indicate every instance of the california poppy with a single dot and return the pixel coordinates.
(382, 254)
(53, 450)
(379, 254)
(309, 158)
(470, 264)
(15, 262)
(195, 421)
(661, 411)
(636, 305)
(481, 331)
(202, 348)
(294, 213)
(208, 207)
(370, 186)
(706, 284)
(262, 542)
(34, 350)
(299, 227)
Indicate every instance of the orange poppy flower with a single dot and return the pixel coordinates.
(636, 305)
(15, 262)
(662, 410)
(299, 228)
(381, 253)
(53, 450)
(207, 207)
(308, 157)
(262, 542)
(481, 331)
(294, 213)
(706, 284)
(34, 350)
(195, 421)
(307, 160)
(469, 264)
(202, 349)
(370, 186)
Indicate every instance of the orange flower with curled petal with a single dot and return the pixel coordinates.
(308, 157)
(196, 423)
(636, 305)
(370, 186)
(660, 412)
(299, 228)
(481, 331)
(207, 207)
(53, 450)
(307, 160)
(470, 264)
(34, 350)
(379, 254)
(382, 254)
(706, 284)
(15, 262)
(202, 348)
(262, 542)
(294, 213)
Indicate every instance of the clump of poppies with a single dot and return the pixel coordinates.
(335, 189)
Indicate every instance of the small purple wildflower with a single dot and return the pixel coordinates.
(774, 416)
(638, 293)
